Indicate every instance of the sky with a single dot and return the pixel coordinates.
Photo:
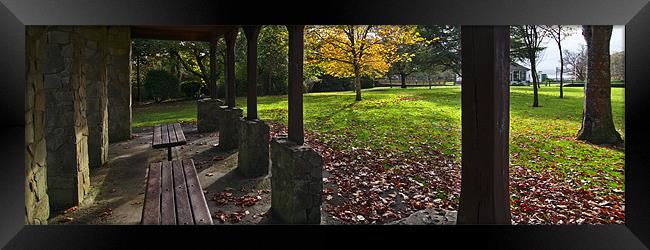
(551, 58)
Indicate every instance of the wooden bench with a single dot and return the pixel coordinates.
(174, 195)
(168, 136)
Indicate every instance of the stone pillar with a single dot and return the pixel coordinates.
(229, 115)
(296, 182)
(95, 76)
(484, 197)
(253, 160)
(229, 127)
(119, 83)
(297, 170)
(65, 124)
(207, 116)
(37, 206)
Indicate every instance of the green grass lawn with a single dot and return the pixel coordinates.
(395, 120)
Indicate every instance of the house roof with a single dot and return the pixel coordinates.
(518, 66)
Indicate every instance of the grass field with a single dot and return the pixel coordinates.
(394, 120)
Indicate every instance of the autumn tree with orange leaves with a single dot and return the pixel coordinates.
(357, 50)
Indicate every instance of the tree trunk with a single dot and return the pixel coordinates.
(402, 78)
(561, 71)
(390, 81)
(177, 70)
(597, 124)
(357, 88)
(267, 85)
(137, 76)
(535, 81)
(357, 84)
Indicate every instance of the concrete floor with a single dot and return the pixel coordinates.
(117, 188)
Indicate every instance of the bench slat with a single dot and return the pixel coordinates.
(165, 134)
(179, 133)
(183, 209)
(151, 210)
(197, 199)
(157, 139)
(174, 195)
(172, 134)
(168, 211)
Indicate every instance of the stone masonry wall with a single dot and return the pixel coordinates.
(69, 74)
(119, 83)
(65, 123)
(95, 76)
(37, 209)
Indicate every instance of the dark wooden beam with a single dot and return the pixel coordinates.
(231, 38)
(251, 32)
(484, 196)
(179, 33)
(213, 65)
(296, 52)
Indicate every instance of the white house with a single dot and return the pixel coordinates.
(518, 73)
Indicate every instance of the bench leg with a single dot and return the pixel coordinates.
(169, 153)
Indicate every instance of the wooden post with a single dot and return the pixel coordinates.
(251, 32)
(137, 76)
(484, 196)
(231, 38)
(213, 65)
(296, 52)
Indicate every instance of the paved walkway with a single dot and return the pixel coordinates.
(117, 188)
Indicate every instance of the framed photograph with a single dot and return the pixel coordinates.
(500, 124)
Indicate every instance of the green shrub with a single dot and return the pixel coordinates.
(160, 85)
(192, 89)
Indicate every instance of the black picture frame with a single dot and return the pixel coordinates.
(16, 14)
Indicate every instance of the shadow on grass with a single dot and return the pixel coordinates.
(329, 116)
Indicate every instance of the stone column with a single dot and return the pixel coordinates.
(253, 160)
(207, 117)
(229, 115)
(65, 124)
(484, 197)
(296, 182)
(95, 76)
(229, 127)
(119, 83)
(37, 205)
(297, 170)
